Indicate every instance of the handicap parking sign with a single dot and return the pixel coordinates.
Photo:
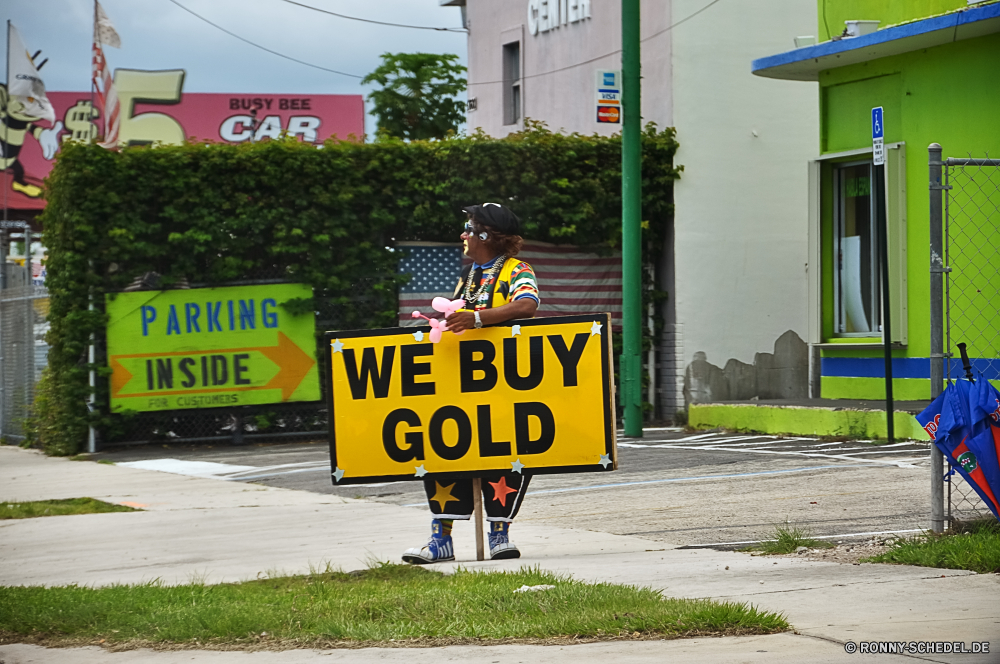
(877, 128)
(878, 132)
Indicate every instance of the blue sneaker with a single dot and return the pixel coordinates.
(439, 548)
(501, 548)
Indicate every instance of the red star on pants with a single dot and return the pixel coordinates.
(500, 491)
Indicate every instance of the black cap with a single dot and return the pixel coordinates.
(495, 216)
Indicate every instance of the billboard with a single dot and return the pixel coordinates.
(534, 395)
(210, 348)
(154, 108)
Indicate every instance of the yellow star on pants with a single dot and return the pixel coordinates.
(443, 495)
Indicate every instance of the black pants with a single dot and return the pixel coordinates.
(18, 169)
(502, 496)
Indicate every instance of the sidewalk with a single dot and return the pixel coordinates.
(216, 531)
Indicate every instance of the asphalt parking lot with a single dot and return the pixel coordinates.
(693, 489)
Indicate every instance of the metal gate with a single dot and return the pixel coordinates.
(971, 292)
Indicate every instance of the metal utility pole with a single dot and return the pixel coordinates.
(938, 269)
(883, 241)
(881, 224)
(631, 358)
(6, 185)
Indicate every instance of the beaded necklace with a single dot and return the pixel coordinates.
(472, 298)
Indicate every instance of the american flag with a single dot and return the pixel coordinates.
(570, 281)
(434, 268)
(38, 274)
(107, 96)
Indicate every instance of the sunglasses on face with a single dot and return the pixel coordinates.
(470, 230)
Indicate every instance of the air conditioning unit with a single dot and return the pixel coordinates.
(858, 28)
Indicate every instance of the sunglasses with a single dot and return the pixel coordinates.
(470, 230)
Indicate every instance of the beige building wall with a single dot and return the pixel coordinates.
(741, 205)
(565, 98)
(736, 264)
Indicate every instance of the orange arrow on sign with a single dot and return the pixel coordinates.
(293, 365)
(120, 376)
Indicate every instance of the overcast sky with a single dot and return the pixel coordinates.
(157, 34)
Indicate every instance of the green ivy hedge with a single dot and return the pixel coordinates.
(215, 214)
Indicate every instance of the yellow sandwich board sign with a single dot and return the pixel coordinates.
(533, 395)
(210, 348)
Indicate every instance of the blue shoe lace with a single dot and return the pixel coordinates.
(497, 537)
(440, 546)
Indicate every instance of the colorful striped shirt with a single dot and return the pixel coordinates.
(522, 284)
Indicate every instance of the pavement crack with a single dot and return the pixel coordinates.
(840, 643)
(840, 585)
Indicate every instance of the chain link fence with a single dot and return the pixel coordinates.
(971, 293)
(24, 310)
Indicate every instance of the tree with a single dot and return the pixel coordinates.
(417, 97)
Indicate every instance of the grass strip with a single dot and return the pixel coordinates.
(384, 605)
(974, 547)
(36, 508)
(88, 457)
(786, 539)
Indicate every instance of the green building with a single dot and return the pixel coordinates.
(933, 66)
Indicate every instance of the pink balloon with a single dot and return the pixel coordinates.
(447, 307)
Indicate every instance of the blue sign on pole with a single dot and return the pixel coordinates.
(877, 122)
(878, 129)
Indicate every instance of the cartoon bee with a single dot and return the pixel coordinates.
(15, 125)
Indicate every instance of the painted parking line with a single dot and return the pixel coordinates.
(703, 436)
(759, 443)
(733, 442)
(325, 468)
(699, 478)
(303, 464)
(883, 452)
(852, 450)
(815, 455)
(789, 447)
(780, 443)
(684, 442)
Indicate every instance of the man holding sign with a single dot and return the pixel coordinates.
(497, 287)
